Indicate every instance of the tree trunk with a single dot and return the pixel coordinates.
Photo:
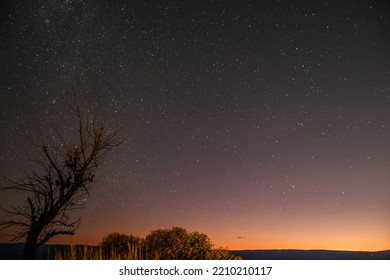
(30, 247)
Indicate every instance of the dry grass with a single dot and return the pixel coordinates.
(85, 252)
(136, 252)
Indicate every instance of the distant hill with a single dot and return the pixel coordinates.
(311, 255)
(15, 252)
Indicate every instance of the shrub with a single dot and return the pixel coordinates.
(179, 244)
(164, 244)
(121, 246)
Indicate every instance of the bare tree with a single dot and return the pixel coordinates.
(62, 183)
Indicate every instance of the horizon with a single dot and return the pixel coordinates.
(78, 241)
(256, 249)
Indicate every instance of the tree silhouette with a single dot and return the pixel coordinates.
(179, 244)
(121, 246)
(61, 184)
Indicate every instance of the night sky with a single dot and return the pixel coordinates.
(264, 124)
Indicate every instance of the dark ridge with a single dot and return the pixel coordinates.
(15, 251)
(311, 255)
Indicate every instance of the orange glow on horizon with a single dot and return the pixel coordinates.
(325, 240)
(248, 244)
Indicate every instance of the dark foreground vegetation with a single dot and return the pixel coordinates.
(175, 244)
(15, 251)
(162, 244)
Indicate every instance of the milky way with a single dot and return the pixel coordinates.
(264, 124)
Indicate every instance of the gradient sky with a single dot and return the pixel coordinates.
(264, 124)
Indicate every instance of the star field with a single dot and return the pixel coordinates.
(264, 124)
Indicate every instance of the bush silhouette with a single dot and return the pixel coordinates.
(163, 244)
(116, 245)
(179, 244)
